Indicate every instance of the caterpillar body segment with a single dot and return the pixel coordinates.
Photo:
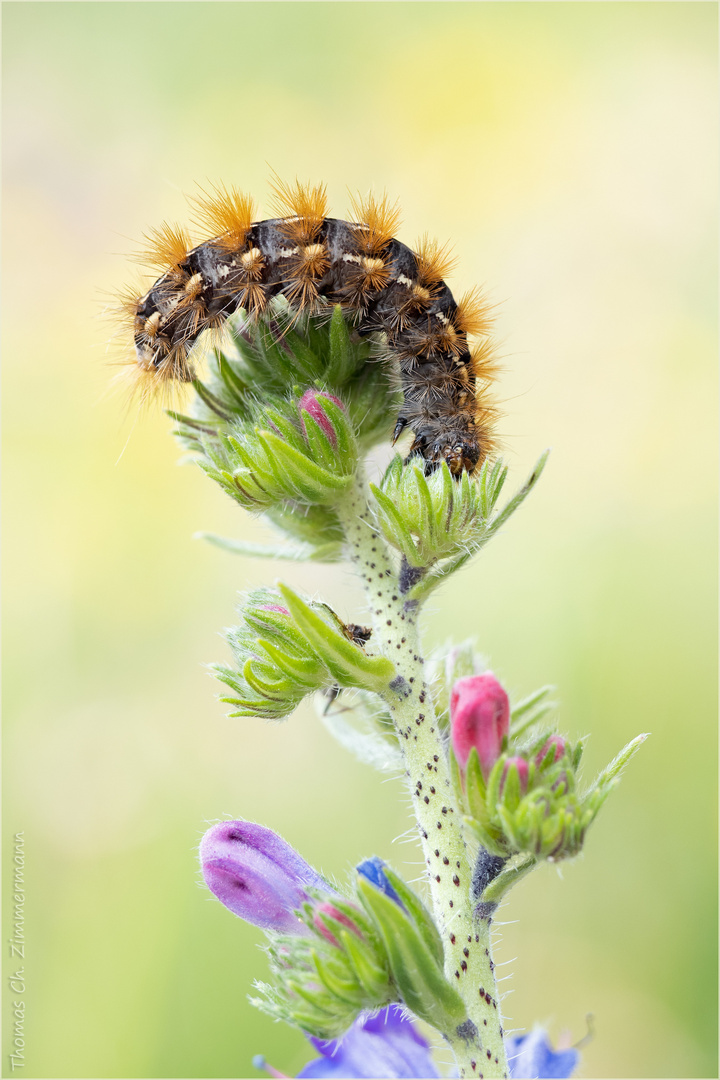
(315, 262)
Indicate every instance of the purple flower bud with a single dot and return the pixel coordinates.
(338, 916)
(257, 875)
(373, 870)
(310, 403)
(479, 717)
(560, 745)
(522, 767)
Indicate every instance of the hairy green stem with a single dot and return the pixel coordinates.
(478, 1044)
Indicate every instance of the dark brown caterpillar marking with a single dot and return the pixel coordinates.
(316, 261)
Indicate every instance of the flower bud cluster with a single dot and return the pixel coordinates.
(433, 517)
(285, 411)
(332, 956)
(301, 451)
(361, 953)
(441, 519)
(520, 799)
(337, 968)
(286, 648)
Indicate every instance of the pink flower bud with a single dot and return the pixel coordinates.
(560, 748)
(339, 916)
(274, 607)
(522, 767)
(479, 717)
(310, 403)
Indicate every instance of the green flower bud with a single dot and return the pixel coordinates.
(529, 806)
(439, 519)
(413, 946)
(286, 455)
(326, 977)
(287, 648)
(430, 517)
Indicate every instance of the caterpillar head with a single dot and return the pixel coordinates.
(461, 453)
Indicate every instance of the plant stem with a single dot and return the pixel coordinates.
(478, 1044)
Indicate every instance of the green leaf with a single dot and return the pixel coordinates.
(512, 872)
(521, 495)
(213, 403)
(528, 703)
(300, 553)
(347, 663)
(357, 729)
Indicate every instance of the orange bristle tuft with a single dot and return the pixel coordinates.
(380, 218)
(227, 213)
(434, 260)
(126, 307)
(484, 362)
(375, 274)
(474, 313)
(308, 205)
(167, 247)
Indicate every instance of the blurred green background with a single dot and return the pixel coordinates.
(569, 152)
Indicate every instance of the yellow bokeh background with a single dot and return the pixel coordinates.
(569, 152)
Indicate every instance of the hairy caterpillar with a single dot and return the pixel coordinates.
(316, 261)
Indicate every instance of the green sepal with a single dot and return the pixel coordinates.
(396, 532)
(276, 690)
(485, 838)
(612, 772)
(511, 792)
(475, 786)
(340, 367)
(415, 971)
(344, 989)
(418, 913)
(237, 388)
(302, 478)
(346, 662)
(307, 671)
(457, 781)
(373, 979)
(530, 711)
(492, 794)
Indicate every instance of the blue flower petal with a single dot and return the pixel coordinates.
(373, 870)
(531, 1057)
(383, 1047)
